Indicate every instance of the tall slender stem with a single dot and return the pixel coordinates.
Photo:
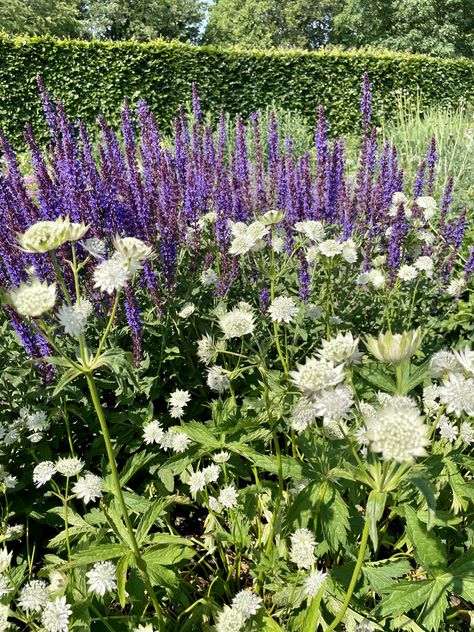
(141, 564)
(354, 578)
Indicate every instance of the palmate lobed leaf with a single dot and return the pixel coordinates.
(430, 552)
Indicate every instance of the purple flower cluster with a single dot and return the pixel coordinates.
(140, 184)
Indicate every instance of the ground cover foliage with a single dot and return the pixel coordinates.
(237, 393)
(94, 77)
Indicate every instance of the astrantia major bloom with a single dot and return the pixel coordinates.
(457, 393)
(206, 349)
(230, 620)
(303, 414)
(466, 433)
(237, 323)
(73, 318)
(302, 548)
(177, 401)
(447, 430)
(44, 236)
(33, 298)
(211, 473)
(88, 487)
(95, 247)
(465, 358)
(133, 248)
(153, 432)
(342, 348)
(398, 432)
(101, 578)
(313, 583)
(311, 229)
(43, 473)
(69, 466)
(247, 603)
(111, 275)
(5, 559)
(228, 497)
(33, 596)
(394, 348)
(444, 362)
(315, 375)
(283, 309)
(55, 617)
(407, 273)
(187, 310)
(334, 403)
(217, 379)
(197, 482)
(330, 248)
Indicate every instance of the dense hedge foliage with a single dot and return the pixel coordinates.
(93, 77)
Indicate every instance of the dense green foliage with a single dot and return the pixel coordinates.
(93, 77)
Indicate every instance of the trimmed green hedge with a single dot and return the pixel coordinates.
(94, 77)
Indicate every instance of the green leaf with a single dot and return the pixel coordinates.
(66, 377)
(122, 568)
(134, 464)
(435, 606)
(334, 518)
(381, 574)
(374, 510)
(374, 376)
(462, 576)
(427, 489)
(291, 467)
(304, 505)
(98, 553)
(418, 376)
(310, 623)
(149, 518)
(402, 597)
(168, 555)
(430, 552)
(202, 435)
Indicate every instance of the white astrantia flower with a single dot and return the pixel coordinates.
(230, 620)
(211, 473)
(363, 278)
(14, 532)
(313, 583)
(272, 217)
(378, 261)
(33, 298)
(456, 287)
(217, 379)
(311, 229)
(426, 237)
(88, 488)
(302, 548)
(283, 309)
(334, 403)
(209, 278)
(228, 497)
(303, 414)
(361, 436)
(111, 275)
(312, 254)
(73, 318)
(278, 242)
(398, 432)
(221, 457)
(394, 348)
(95, 247)
(366, 409)
(247, 238)
(407, 273)
(69, 466)
(55, 617)
(197, 482)
(33, 596)
(430, 397)
(179, 441)
(466, 432)
(237, 323)
(133, 248)
(399, 198)
(349, 251)
(36, 421)
(206, 349)
(177, 401)
(5, 588)
(43, 473)
(10, 481)
(444, 362)
(11, 437)
(334, 429)
(384, 398)
(76, 231)
(425, 264)
(153, 432)
(457, 393)
(446, 429)
(330, 248)
(335, 320)
(5, 559)
(315, 375)
(465, 358)
(377, 279)
(101, 578)
(313, 311)
(144, 628)
(428, 206)
(44, 236)
(187, 310)
(341, 348)
(247, 603)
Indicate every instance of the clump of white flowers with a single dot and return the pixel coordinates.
(315, 375)
(177, 401)
(133, 248)
(187, 310)
(56, 613)
(247, 603)
(238, 322)
(247, 238)
(283, 309)
(457, 393)
(33, 298)
(302, 548)
(48, 235)
(33, 596)
(172, 439)
(313, 230)
(342, 348)
(398, 431)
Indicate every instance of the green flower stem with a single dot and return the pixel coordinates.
(60, 276)
(141, 564)
(280, 493)
(354, 578)
(66, 520)
(272, 296)
(108, 328)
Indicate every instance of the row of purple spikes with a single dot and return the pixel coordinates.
(134, 185)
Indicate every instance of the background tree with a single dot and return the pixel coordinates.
(61, 18)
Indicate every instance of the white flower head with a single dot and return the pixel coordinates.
(209, 278)
(228, 497)
(334, 403)
(466, 433)
(394, 348)
(247, 603)
(330, 248)
(398, 431)
(272, 217)
(5, 559)
(456, 287)
(33, 596)
(179, 441)
(283, 309)
(230, 620)
(206, 349)
(237, 323)
(314, 311)
(221, 457)
(377, 279)
(187, 310)
(133, 248)
(177, 401)
(313, 583)
(312, 254)
(465, 359)
(211, 473)
(197, 482)
(43, 473)
(302, 548)
(349, 251)
(315, 375)
(101, 578)
(33, 298)
(44, 236)
(457, 393)
(311, 229)
(425, 264)
(444, 362)
(5, 588)
(111, 275)
(153, 432)
(303, 414)
(217, 379)
(73, 318)
(342, 348)
(407, 273)
(428, 206)
(95, 247)
(36, 421)
(88, 488)
(56, 613)
(447, 430)
(69, 466)
(430, 397)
